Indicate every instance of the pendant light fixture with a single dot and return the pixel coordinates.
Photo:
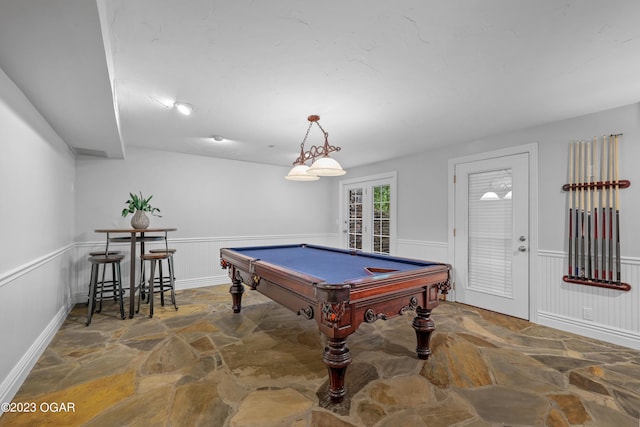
(322, 165)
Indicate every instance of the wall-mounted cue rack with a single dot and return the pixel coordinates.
(594, 214)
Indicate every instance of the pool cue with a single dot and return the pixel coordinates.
(589, 171)
(570, 207)
(610, 159)
(615, 144)
(576, 252)
(596, 200)
(582, 181)
(603, 196)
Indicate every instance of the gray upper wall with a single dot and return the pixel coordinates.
(423, 186)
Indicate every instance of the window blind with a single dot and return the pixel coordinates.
(490, 232)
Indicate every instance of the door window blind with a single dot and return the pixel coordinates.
(490, 232)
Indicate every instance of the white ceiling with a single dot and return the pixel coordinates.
(387, 78)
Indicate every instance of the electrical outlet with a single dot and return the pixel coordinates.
(587, 313)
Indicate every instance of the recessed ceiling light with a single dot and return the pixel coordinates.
(217, 138)
(183, 107)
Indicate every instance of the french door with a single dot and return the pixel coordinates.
(368, 214)
(492, 234)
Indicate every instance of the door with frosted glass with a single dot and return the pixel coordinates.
(492, 234)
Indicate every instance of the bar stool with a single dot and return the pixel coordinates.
(114, 286)
(102, 283)
(164, 283)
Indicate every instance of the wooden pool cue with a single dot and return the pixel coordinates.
(615, 145)
(571, 189)
(576, 206)
(582, 181)
(596, 205)
(603, 196)
(610, 158)
(589, 172)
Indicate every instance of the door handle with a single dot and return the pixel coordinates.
(522, 248)
(522, 238)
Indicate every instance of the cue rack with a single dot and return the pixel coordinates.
(594, 214)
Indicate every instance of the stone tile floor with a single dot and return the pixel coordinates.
(203, 365)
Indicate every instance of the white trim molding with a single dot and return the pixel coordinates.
(590, 329)
(14, 274)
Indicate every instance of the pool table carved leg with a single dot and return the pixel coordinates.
(236, 292)
(337, 357)
(424, 327)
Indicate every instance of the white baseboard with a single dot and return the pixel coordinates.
(589, 329)
(12, 383)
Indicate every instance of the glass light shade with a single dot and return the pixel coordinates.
(301, 173)
(508, 196)
(489, 195)
(326, 166)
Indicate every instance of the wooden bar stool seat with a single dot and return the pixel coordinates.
(96, 253)
(104, 271)
(98, 287)
(158, 251)
(138, 239)
(159, 284)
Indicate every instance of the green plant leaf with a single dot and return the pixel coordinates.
(139, 203)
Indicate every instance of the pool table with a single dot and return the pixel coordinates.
(340, 289)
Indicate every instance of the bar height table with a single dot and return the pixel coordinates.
(136, 235)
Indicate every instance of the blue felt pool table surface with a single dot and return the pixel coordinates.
(329, 264)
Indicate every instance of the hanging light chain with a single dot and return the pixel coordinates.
(314, 151)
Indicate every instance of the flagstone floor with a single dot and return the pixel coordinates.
(203, 365)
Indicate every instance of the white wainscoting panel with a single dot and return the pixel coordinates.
(196, 261)
(420, 249)
(37, 298)
(605, 314)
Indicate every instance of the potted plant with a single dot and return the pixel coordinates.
(138, 205)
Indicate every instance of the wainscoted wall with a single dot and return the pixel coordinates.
(43, 291)
(38, 311)
(197, 260)
(428, 251)
(37, 298)
(615, 314)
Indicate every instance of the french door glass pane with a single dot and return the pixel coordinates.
(381, 215)
(355, 219)
(490, 232)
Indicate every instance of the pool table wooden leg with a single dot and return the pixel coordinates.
(423, 326)
(337, 357)
(236, 291)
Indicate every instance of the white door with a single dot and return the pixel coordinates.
(368, 212)
(492, 234)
